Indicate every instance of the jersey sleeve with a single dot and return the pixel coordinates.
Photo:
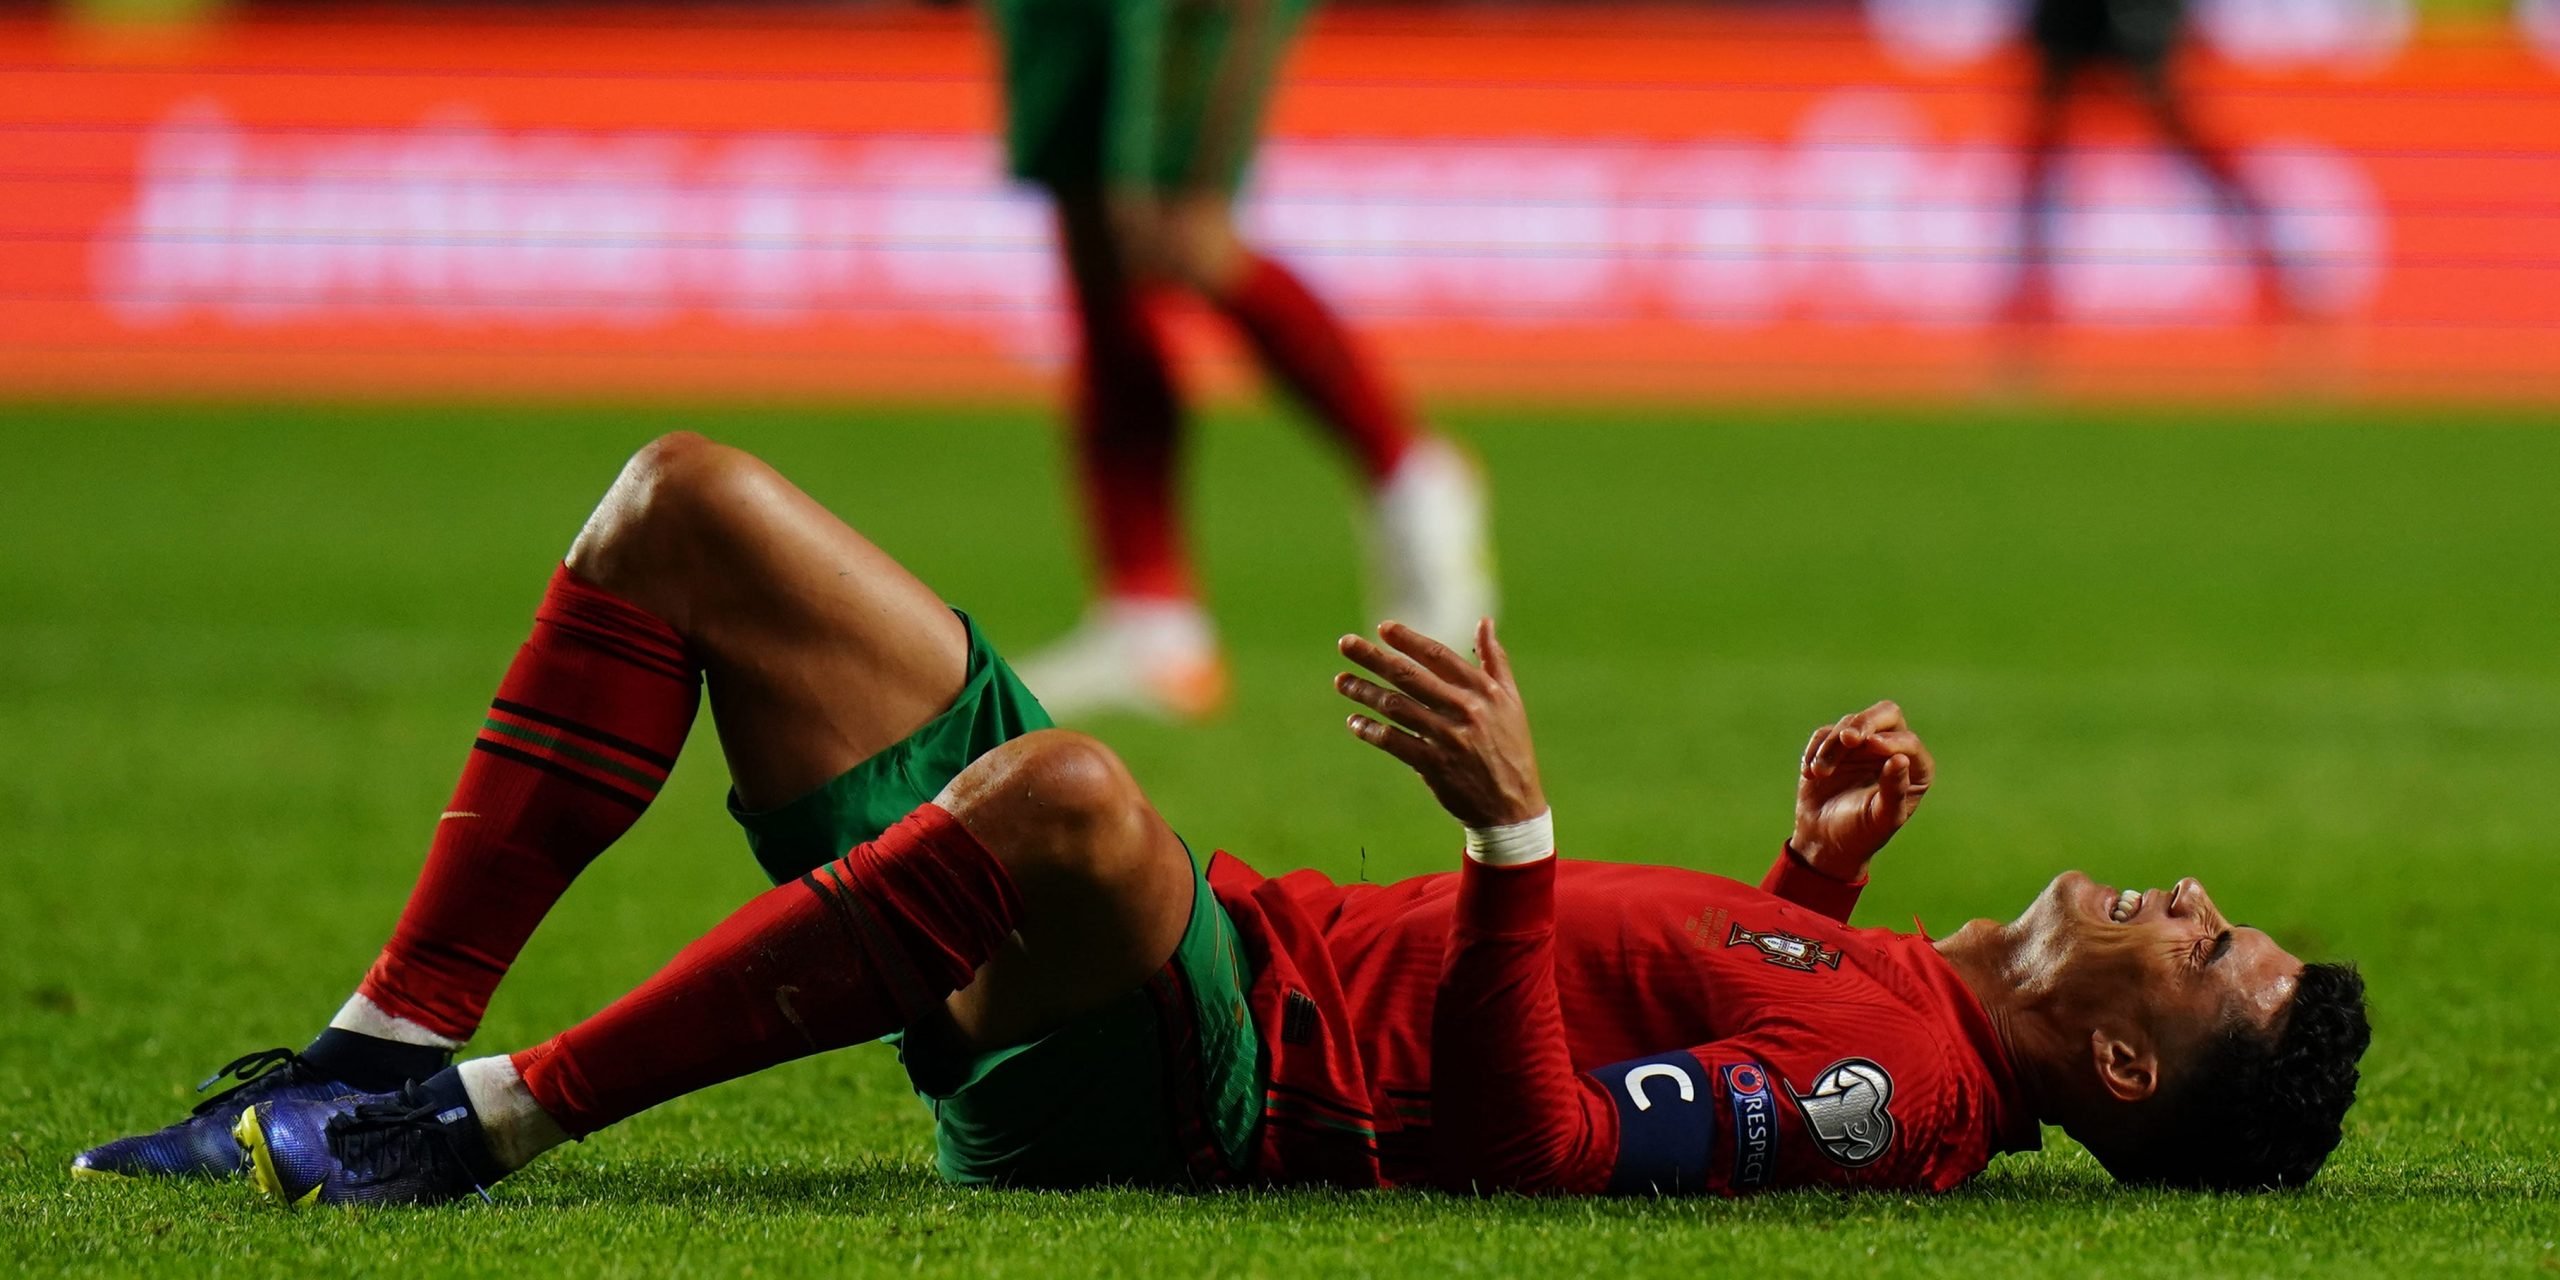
(1792, 879)
(1509, 1112)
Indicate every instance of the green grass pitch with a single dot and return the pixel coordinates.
(2315, 661)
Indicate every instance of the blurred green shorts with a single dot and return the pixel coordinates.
(1163, 1087)
(1155, 95)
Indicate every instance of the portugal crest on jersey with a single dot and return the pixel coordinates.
(1845, 1111)
(1785, 950)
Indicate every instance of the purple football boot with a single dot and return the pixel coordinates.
(201, 1145)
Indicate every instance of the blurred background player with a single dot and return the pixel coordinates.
(2076, 43)
(1138, 117)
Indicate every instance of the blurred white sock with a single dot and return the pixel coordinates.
(1431, 538)
(1153, 657)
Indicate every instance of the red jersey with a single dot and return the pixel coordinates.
(1601, 1027)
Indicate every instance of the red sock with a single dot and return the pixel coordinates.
(850, 952)
(1306, 346)
(1128, 416)
(581, 735)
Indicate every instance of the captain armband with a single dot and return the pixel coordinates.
(1666, 1124)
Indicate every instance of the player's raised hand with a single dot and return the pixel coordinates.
(1459, 724)
(1862, 777)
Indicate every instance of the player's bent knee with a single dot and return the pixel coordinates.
(1077, 785)
(684, 480)
(1055, 804)
(669, 495)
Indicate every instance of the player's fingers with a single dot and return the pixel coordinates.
(1875, 746)
(1443, 661)
(1388, 738)
(1893, 793)
(1497, 660)
(1903, 742)
(1813, 750)
(1827, 758)
(1398, 670)
(1387, 702)
(1882, 716)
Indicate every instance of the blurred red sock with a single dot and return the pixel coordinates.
(850, 952)
(585, 726)
(1306, 346)
(1128, 425)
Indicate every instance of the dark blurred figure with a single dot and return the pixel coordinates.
(2079, 44)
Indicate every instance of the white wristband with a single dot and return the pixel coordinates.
(1515, 844)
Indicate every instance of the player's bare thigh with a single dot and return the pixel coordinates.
(1106, 885)
(1182, 237)
(1197, 231)
(818, 648)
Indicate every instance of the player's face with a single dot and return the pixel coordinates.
(2166, 957)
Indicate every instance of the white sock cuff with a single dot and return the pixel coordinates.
(1515, 844)
(516, 1126)
(365, 1018)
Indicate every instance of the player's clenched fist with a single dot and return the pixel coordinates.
(1460, 725)
(1862, 777)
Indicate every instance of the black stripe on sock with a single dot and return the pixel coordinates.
(875, 941)
(560, 771)
(624, 745)
(613, 646)
(827, 894)
(646, 659)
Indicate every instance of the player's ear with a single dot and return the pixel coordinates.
(2128, 1071)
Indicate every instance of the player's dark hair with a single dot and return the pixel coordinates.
(2260, 1111)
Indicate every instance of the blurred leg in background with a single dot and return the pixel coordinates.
(2172, 111)
(2049, 111)
(1141, 118)
(1146, 640)
(2077, 44)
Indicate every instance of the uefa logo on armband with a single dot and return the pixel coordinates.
(1755, 1125)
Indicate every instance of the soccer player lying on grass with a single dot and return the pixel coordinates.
(1081, 1005)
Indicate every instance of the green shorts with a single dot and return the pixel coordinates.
(1162, 1087)
(1153, 95)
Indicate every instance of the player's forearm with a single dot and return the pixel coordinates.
(1508, 1110)
(1798, 881)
